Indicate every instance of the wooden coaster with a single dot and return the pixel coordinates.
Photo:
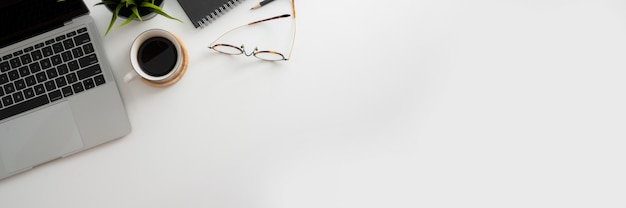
(180, 74)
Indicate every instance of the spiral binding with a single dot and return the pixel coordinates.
(218, 12)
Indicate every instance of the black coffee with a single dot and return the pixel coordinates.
(157, 56)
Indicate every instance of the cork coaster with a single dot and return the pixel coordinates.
(180, 74)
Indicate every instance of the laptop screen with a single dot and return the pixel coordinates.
(22, 19)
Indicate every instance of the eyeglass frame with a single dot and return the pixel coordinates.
(241, 49)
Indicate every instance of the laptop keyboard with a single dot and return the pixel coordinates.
(48, 71)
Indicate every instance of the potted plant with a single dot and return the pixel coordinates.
(133, 10)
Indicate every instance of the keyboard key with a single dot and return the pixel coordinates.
(26, 59)
(28, 49)
(69, 43)
(34, 67)
(70, 34)
(52, 73)
(82, 39)
(20, 84)
(62, 69)
(88, 60)
(60, 81)
(45, 63)
(18, 97)
(56, 60)
(78, 52)
(36, 55)
(9, 88)
(4, 78)
(73, 65)
(30, 80)
(99, 80)
(25, 106)
(67, 56)
(39, 45)
(60, 38)
(57, 47)
(29, 93)
(1, 92)
(82, 30)
(39, 89)
(88, 48)
(50, 85)
(13, 75)
(49, 42)
(18, 53)
(89, 83)
(78, 87)
(88, 72)
(7, 57)
(71, 78)
(24, 71)
(15, 62)
(67, 91)
(7, 100)
(55, 95)
(41, 77)
(4, 66)
(47, 51)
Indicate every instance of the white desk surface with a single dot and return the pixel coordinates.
(447, 103)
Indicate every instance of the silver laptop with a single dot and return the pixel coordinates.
(57, 91)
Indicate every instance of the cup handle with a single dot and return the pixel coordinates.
(130, 76)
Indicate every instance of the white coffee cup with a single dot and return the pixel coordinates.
(154, 42)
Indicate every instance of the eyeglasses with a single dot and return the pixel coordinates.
(266, 55)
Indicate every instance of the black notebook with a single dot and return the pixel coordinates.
(203, 12)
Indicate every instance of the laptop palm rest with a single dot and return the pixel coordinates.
(39, 137)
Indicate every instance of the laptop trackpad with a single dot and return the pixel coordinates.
(39, 137)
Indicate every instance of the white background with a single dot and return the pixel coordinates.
(421, 103)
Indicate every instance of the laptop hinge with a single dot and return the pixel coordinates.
(68, 23)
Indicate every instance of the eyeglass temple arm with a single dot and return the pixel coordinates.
(271, 18)
(252, 23)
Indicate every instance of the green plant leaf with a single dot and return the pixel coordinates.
(114, 17)
(136, 12)
(130, 19)
(162, 13)
(156, 9)
(150, 5)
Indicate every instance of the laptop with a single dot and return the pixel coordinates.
(58, 95)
